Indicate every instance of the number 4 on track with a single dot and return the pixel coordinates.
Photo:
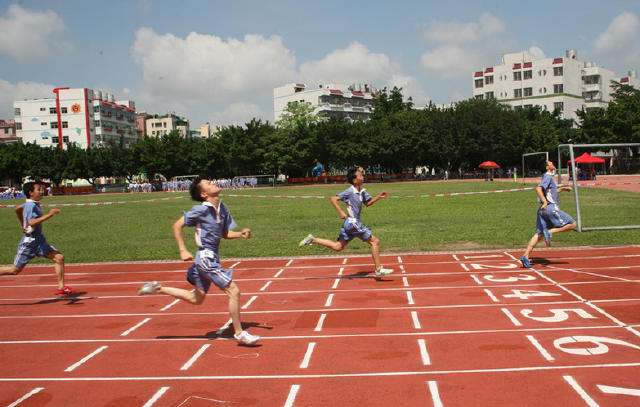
(526, 294)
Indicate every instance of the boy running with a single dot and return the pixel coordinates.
(354, 197)
(212, 221)
(550, 219)
(33, 243)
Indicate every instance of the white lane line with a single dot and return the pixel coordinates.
(416, 321)
(248, 303)
(26, 396)
(476, 279)
(399, 259)
(318, 327)
(591, 274)
(574, 384)
(136, 326)
(435, 394)
(424, 355)
(289, 263)
(292, 395)
(156, 396)
(335, 283)
(234, 264)
(410, 298)
(618, 390)
(512, 256)
(166, 307)
(540, 348)
(491, 295)
(264, 287)
(224, 327)
(405, 282)
(464, 266)
(195, 357)
(84, 359)
(307, 355)
(329, 300)
(278, 273)
(340, 271)
(344, 261)
(511, 317)
(455, 257)
(402, 270)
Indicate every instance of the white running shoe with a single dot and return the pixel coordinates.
(246, 338)
(307, 240)
(149, 288)
(383, 272)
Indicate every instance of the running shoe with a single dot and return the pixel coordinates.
(307, 240)
(246, 338)
(383, 272)
(149, 288)
(64, 291)
(526, 263)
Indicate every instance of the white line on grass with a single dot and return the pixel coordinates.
(166, 307)
(540, 348)
(195, 357)
(292, 395)
(307, 356)
(424, 355)
(156, 396)
(248, 303)
(136, 326)
(435, 394)
(416, 321)
(318, 327)
(26, 396)
(84, 359)
(574, 384)
(511, 317)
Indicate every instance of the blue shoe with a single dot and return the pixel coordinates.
(547, 237)
(526, 263)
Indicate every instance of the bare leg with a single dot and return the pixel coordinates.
(569, 226)
(234, 310)
(9, 270)
(333, 245)
(532, 243)
(374, 242)
(58, 265)
(194, 296)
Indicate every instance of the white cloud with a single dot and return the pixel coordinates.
(536, 52)
(10, 92)
(455, 32)
(618, 44)
(30, 35)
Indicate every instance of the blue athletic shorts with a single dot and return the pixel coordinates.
(206, 270)
(552, 217)
(352, 228)
(30, 247)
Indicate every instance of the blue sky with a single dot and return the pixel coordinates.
(218, 61)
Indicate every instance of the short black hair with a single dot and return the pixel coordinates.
(194, 190)
(28, 188)
(351, 174)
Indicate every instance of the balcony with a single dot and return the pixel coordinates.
(591, 87)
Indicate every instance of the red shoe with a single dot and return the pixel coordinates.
(64, 291)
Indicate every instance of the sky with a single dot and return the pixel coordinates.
(218, 61)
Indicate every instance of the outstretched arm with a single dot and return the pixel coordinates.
(375, 199)
(185, 254)
(37, 221)
(335, 201)
(242, 234)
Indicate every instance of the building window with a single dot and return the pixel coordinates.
(528, 74)
(528, 92)
(54, 140)
(52, 110)
(43, 109)
(559, 106)
(479, 83)
(43, 123)
(528, 106)
(558, 88)
(18, 126)
(63, 110)
(479, 96)
(164, 125)
(65, 125)
(54, 125)
(488, 80)
(517, 76)
(96, 109)
(557, 71)
(65, 139)
(16, 111)
(488, 95)
(96, 123)
(517, 93)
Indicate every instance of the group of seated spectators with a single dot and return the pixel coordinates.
(11, 193)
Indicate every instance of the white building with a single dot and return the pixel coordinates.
(354, 102)
(81, 116)
(157, 126)
(7, 131)
(565, 84)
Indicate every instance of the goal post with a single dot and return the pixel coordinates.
(627, 154)
(524, 172)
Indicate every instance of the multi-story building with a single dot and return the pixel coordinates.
(564, 84)
(353, 102)
(157, 126)
(82, 116)
(8, 131)
(631, 79)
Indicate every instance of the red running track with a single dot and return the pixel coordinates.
(447, 329)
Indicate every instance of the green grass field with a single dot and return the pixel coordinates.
(404, 222)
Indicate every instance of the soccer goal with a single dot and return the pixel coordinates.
(606, 184)
(535, 165)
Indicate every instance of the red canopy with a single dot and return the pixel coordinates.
(488, 165)
(587, 158)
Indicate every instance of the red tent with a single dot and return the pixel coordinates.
(587, 158)
(488, 165)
